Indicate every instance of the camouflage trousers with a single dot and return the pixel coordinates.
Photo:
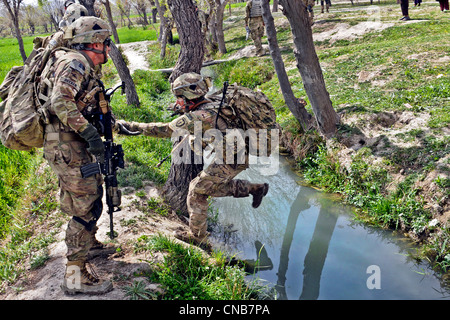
(256, 26)
(79, 197)
(215, 181)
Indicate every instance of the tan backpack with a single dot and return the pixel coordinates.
(22, 116)
(253, 108)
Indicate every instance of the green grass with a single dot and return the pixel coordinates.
(186, 274)
(15, 167)
(134, 34)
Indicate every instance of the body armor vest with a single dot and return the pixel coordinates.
(256, 10)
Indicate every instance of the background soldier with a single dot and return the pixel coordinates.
(217, 180)
(254, 21)
(72, 12)
(69, 80)
(327, 4)
(309, 8)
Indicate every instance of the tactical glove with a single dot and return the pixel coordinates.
(124, 130)
(95, 142)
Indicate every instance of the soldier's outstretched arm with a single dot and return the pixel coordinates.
(153, 129)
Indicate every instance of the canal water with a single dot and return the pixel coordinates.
(307, 245)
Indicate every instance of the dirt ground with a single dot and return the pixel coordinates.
(44, 282)
(121, 267)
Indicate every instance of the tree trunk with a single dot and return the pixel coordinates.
(309, 67)
(13, 11)
(89, 5)
(19, 38)
(124, 74)
(111, 21)
(165, 28)
(275, 6)
(191, 37)
(162, 20)
(212, 26)
(220, 8)
(297, 109)
(176, 188)
(190, 60)
(166, 34)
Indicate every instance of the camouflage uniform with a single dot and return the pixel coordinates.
(66, 151)
(328, 4)
(309, 8)
(70, 81)
(254, 20)
(217, 180)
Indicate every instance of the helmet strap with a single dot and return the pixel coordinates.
(195, 103)
(99, 52)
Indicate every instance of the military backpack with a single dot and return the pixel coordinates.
(247, 108)
(22, 115)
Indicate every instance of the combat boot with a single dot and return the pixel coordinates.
(188, 237)
(100, 249)
(258, 192)
(77, 279)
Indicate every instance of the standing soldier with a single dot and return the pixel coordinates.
(70, 83)
(327, 3)
(217, 180)
(254, 21)
(309, 9)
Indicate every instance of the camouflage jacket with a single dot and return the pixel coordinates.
(69, 79)
(198, 122)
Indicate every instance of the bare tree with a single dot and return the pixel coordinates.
(294, 105)
(141, 8)
(309, 67)
(31, 14)
(125, 10)
(220, 8)
(275, 6)
(110, 20)
(13, 8)
(125, 76)
(54, 10)
(165, 26)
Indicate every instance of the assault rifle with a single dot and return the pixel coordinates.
(113, 155)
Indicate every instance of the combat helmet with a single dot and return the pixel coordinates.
(190, 85)
(89, 30)
(73, 12)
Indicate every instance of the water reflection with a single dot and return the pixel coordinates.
(307, 246)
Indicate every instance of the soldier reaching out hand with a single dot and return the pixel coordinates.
(200, 116)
